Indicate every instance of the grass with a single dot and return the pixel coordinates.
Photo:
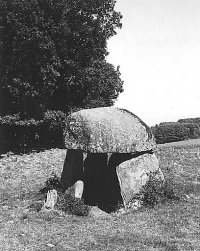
(180, 163)
(167, 227)
(190, 142)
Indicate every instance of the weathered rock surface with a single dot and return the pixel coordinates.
(107, 130)
(110, 151)
(96, 212)
(72, 169)
(79, 185)
(51, 200)
(133, 175)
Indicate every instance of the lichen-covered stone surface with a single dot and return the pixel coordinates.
(107, 130)
(133, 174)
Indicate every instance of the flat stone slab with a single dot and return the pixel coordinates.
(96, 212)
(107, 130)
(133, 174)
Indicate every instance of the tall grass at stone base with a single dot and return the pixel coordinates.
(152, 193)
(156, 191)
(66, 201)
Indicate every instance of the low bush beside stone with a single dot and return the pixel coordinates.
(152, 193)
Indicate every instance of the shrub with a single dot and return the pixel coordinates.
(190, 120)
(53, 182)
(176, 131)
(71, 205)
(53, 126)
(16, 133)
(9, 119)
(66, 201)
(171, 132)
(30, 133)
(55, 119)
(156, 191)
(194, 130)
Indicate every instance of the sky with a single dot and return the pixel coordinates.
(158, 50)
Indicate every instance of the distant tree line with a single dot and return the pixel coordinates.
(183, 129)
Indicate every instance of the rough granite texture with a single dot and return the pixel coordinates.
(133, 174)
(107, 130)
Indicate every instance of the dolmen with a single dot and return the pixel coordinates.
(110, 154)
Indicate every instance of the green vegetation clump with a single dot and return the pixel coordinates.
(53, 56)
(73, 206)
(53, 182)
(176, 131)
(171, 226)
(66, 201)
(46, 74)
(156, 191)
(190, 120)
(153, 192)
(30, 133)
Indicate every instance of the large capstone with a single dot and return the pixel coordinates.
(107, 130)
(109, 158)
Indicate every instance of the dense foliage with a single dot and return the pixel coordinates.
(30, 133)
(190, 120)
(156, 191)
(53, 56)
(177, 131)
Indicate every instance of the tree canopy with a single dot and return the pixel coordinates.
(53, 55)
(176, 131)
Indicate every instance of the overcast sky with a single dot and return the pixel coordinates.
(158, 50)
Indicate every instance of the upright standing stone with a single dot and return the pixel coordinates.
(91, 135)
(72, 169)
(133, 175)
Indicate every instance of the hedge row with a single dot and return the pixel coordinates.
(175, 131)
(17, 133)
(48, 132)
(190, 120)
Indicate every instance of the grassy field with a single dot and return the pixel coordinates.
(168, 227)
(180, 162)
(190, 142)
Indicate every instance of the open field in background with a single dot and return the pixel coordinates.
(190, 142)
(180, 162)
(168, 227)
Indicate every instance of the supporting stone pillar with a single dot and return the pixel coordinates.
(72, 169)
(133, 175)
(78, 189)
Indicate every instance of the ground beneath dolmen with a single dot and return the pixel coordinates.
(168, 227)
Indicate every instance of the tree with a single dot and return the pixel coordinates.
(171, 132)
(53, 55)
